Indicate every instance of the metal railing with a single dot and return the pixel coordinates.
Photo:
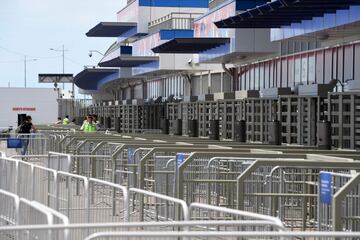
(280, 182)
(285, 191)
(289, 190)
(20, 211)
(29, 144)
(89, 200)
(225, 235)
(94, 229)
(174, 21)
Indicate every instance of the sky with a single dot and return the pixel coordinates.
(32, 27)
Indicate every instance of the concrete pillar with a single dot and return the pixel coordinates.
(209, 82)
(274, 133)
(132, 91)
(221, 81)
(324, 133)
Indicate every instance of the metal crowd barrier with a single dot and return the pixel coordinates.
(151, 235)
(89, 200)
(286, 188)
(279, 182)
(31, 144)
(149, 231)
(289, 190)
(20, 211)
(181, 228)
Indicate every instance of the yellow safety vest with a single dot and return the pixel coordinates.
(66, 121)
(89, 127)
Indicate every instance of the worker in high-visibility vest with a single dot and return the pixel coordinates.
(66, 120)
(89, 125)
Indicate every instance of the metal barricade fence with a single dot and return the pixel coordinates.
(4, 146)
(329, 184)
(20, 211)
(159, 168)
(302, 183)
(37, 143)
(53, 160)
(127, 160)
(104, 167)
(83, 231)
(161, 163)
(223, 235)
(33, 144)
(9, 208)
(8, 174)
(73, 196)
(109, 202)
(346, 211)
(206, 179)
(33, 215)
(164, 175)
(63, 191)
(159, 230)
(199, 211)
(286, 189)
(42, 185)
(269, 173)
(149, 206)
(108, 157)
(152, 208)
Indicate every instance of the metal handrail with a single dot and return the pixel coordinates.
(280, 235)
(173, 15)
(256, 216)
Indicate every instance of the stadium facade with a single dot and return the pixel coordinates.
(280, 72)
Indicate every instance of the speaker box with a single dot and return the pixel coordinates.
(178, 127)
(274, 133)
(324, 135)
(107, 122)
(214, 133)
(240, 131)
(118, 125)
(193, 128)
(165, 126)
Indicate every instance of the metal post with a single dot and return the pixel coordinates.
(63, 62)
(25, 70)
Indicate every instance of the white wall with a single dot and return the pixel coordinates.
(254, 41)
(138, 92)
(149, 14)
(39, 103)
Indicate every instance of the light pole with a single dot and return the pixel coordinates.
(62, 50)
(25, 61)
(95, 51)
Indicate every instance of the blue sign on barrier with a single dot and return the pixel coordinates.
(325, 187)
(130, 153)
(14, 143)
(180, 158)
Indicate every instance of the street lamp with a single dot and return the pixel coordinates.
(25, 61)
(63, 58)
(63, 50)
(95, 51)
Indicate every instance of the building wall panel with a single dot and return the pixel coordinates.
(315, 66)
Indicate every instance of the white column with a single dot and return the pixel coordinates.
(201, 84)
(209, 82)
(221, 81)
